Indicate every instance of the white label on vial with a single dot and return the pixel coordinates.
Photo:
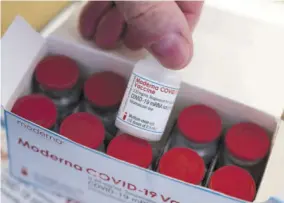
(147, 104)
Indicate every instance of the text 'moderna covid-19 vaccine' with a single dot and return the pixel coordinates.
(148, 100)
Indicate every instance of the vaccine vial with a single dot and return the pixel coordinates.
(183, 164)
(103, 93)
(148, 100)
(58, 77)
(246, 145)
(157, 149)
(235, 182)
(198, 127)
(38, 109)
(131, 149)
(85, 129)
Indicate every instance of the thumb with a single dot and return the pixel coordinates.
(161, 28)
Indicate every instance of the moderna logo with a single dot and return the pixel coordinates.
(39, 132)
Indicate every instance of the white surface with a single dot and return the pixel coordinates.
(240, 58)
(271, 11)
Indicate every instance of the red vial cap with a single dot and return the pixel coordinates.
(183, 164)
(83, 128)
(105, 89)
(200, 124)
(57, 73)
(36, 108)
(247, 141)
(131, 149)
(233, 181)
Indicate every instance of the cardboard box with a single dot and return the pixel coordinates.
(12, 190)
(87, 175)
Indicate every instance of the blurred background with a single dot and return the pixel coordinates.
(37, 13)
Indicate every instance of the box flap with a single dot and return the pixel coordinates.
(273, 179)
(20, 44)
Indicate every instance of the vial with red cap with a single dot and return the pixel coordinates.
(38, 109)
(132, 150)
(183, 164)
(157, 148)
(58, 77)
(199, 128)
(149, 99)
(246, 145)
(85, 129)
(103, 93)
(233, 181)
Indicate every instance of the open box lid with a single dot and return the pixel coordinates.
(20, 44)
(28, 43)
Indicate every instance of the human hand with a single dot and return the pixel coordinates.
(163, 28)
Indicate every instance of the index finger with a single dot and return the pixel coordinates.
(192, 11)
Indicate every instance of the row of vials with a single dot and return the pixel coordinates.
(197, 151)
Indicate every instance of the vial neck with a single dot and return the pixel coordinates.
(100, 110)
(240, 162)
(196, 145)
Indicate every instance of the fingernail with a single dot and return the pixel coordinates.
(173, 51)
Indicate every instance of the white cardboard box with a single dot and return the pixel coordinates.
(247, 65)
(109, 180)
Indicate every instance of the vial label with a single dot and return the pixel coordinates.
(147, 104)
